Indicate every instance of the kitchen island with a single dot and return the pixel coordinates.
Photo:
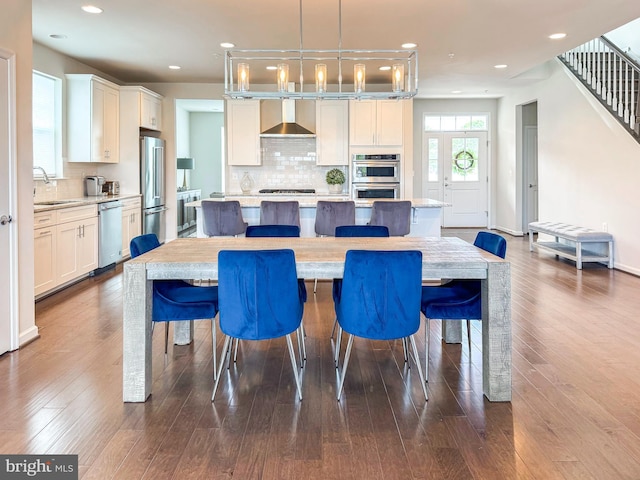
(425, 213)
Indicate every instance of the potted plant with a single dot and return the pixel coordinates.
(335, 178)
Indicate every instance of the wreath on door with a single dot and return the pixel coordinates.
(464, 160)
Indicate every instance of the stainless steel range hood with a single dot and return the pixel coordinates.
(288, 128)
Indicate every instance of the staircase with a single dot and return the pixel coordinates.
(611, 76)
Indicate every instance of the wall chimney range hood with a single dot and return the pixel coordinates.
(288, 128)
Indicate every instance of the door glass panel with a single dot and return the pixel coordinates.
(431, 123)
(448, 123)
(464, 159)
(463, 122)
(433, 160)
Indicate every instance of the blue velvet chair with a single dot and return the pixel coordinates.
(258, 300)
(177, 300)
(222, 218)
(282, 231)
(380, 300)
(354, 231)
(459, 299)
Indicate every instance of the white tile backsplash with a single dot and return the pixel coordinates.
(286, 163)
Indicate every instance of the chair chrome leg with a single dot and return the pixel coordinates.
(417, 359)
(315, 285)
(333, 330)
(426, 349)
(336, 357)
(469, 334)
(347, 354)
(166, 337)
(213, 347)
(225, 348)
(302, 348)
(405, 350)
(294, 366)
(235, 351)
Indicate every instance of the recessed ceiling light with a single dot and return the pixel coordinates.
(58, 36)
(227, 45)
(272, 67)
(500, 66)
(91, 9)
(409, 45)
(456, 91)
(384, 68)
(557, 36)
(175, 67)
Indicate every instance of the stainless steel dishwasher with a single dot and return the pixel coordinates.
(109, 233)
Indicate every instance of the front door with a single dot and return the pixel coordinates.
(8, 262)
(455, 172)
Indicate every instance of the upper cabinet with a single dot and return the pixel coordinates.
(93, 115)
(243, 132)
(143, 105)
(332, 130)
(376, 122)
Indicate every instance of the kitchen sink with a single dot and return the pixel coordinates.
(56, 202)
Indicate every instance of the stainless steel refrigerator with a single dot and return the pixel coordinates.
(152, 186)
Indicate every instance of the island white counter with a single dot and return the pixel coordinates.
(425, 213)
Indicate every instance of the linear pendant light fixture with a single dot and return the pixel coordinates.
(328, 68)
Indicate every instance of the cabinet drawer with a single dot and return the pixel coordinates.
(131, 203)
(44, 219)
(76, 213)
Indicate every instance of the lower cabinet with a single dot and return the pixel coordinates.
(131, 223)
(186, 216)
(65, 246)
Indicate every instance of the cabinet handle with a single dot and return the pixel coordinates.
(82, 231)
(48, 232)
(43, 220)
(79, 232)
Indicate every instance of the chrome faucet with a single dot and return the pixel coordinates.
(44, 174)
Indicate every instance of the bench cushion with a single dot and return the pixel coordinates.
(570, 232)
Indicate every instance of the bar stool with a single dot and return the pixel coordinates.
(222, 218)
(395, 215)
(280, 213)
(332, 214)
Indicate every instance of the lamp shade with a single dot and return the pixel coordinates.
(186, 163)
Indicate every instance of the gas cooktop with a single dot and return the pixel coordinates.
(287, 190)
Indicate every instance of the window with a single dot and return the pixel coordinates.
(455, 123)
(47, 121)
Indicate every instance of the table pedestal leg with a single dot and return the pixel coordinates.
(183, 332)
(452, 331)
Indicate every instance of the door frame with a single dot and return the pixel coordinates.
(529, 163)
(9, 319)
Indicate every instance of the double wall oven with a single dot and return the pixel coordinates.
(375, 175)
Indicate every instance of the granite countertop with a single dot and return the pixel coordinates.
(310, 200)
(47, 205)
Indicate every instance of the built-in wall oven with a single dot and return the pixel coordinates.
(375, 175)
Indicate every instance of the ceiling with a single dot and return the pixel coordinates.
(459, 41)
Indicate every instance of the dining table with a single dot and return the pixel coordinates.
(323, 258)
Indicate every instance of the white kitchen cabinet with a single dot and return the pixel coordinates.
(44, 249)
(142, 106)
(93, 116)
(376, 123)
(76, 249)
(131, 223)
(332, 131)
(243, 132)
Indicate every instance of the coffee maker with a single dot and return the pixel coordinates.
(93, 185)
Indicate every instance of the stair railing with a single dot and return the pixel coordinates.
(611, 75)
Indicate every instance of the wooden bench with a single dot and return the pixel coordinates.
(573, 247)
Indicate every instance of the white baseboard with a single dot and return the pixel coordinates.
(28, 336)
(515, 233)
(626, 268)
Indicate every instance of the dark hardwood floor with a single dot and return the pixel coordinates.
(575, 411)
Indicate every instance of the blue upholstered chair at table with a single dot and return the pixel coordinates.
(258, 300)
(380, 300)
(354, 231)
(177, 300)
(396, 215)
(222, 218)
(330, 215)
(459, 299)
(280, 212)
(282, 231)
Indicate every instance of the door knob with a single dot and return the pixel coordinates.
(531, 185)
(4, 219)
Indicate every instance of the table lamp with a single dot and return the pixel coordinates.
(185, 164)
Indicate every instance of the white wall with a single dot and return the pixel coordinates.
(206, 148)
(627, 38)
(588, 165)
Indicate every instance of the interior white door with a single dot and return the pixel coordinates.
(530, 160)
(455, 172)
(8, 263)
